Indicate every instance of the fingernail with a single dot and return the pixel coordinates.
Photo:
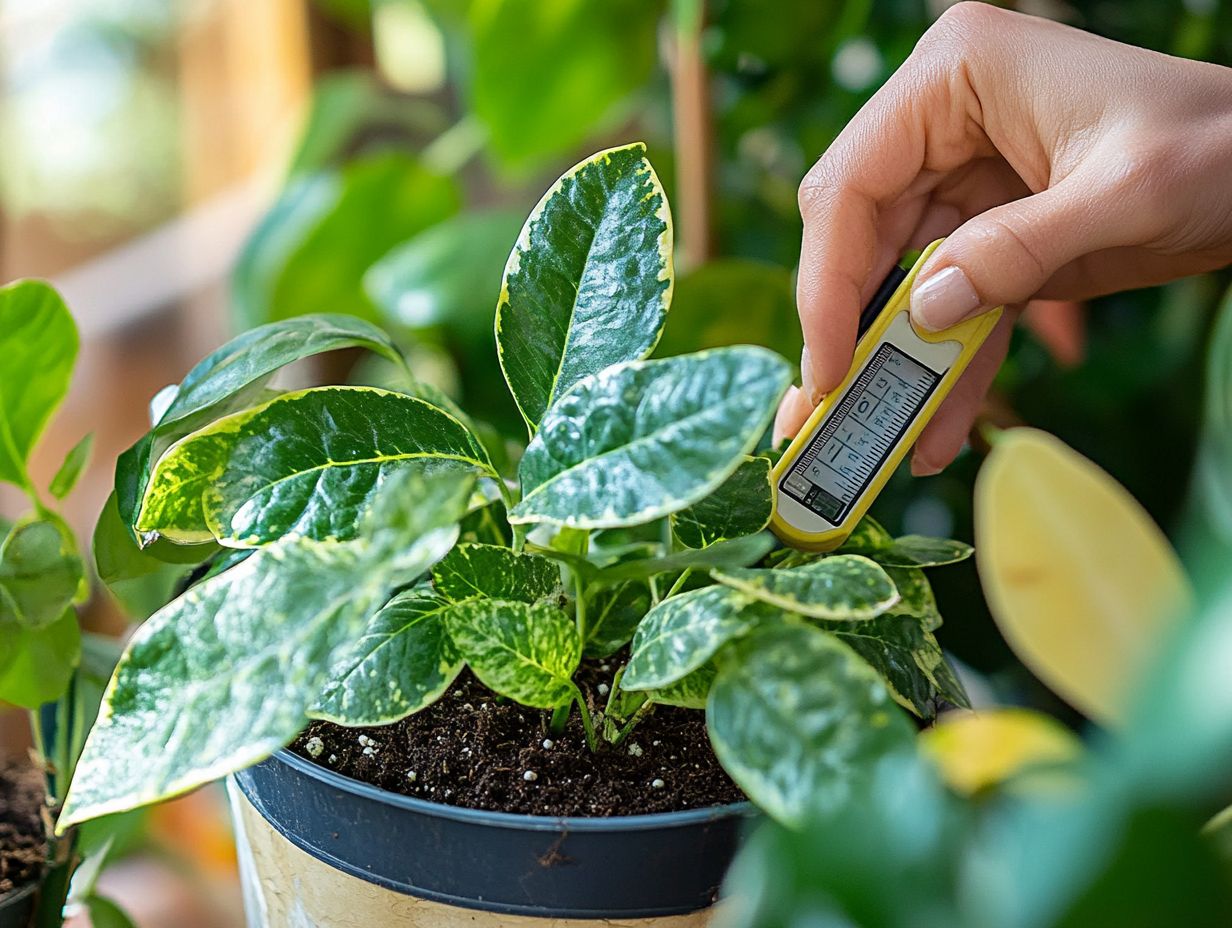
(944, 299)
(921, 468)
(807, 383)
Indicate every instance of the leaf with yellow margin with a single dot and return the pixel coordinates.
(1082, 584)
(978, 750)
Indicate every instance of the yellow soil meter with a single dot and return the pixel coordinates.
(854, 440)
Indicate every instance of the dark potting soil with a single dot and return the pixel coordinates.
(476, 750)
(23, 843)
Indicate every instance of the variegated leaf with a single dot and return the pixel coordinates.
(494, 572)
(799, 720)
(224, 675)
(306, 463)
(526, 652)
(681, 633)
(612, 615)
(921, 551)
(741, 506)
(915, 596)
(846, 587)
(648, 438)
(404, 661)
(689, 692)
(589, 282)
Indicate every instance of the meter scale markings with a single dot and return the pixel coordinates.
(851, 446)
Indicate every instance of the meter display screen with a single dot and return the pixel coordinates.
(850, 447)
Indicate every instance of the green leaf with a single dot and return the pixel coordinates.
(920, 551)
(589, 281)
(444, 275)
(490, 571)
(38, 342)
(311, 250)
(118, 558)
(845, 587)
(70, 470)
(915, 596)
(487, 523)
(798, 721)
(545, 76)
(36, 664)
(403, 663)
(612, 614)
(307, 462)
(232, 378)
(526, 652)
(739, 552)
(908, 658)
(741, 506)
(733, 301)
(689, 692)
(648, 438)
(106, 914)
(224, 675)
(868, 538)
(39, 576)
(681, 633)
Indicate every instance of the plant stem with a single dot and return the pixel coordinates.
(642, 711)
(560, 718)
(588, 724)
(680, 581)
(580, 605)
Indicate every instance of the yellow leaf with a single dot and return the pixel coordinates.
(976, 750)
(1082, 584)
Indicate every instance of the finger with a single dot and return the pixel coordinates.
(793, 411)
(1060, 325)
(945, 435)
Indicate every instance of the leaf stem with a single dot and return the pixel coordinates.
(588, 724)
(680, 581)
(580, 604)
(560, 718)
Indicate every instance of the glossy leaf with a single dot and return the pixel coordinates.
(915, 596)
(494, 572)
(38, 342)
(307, 462)
(734, 301)
(232, 378)
(645, 439)
(589, 282)
(908, 658)
(526, 652)
(681, 633)
(402, 663)
(738, 552)
(445, 275)
(36, 664)
(311, 250)
(740, 506)
(612, 614)
(224, 675)
(71, 468)
(867, 538)
(1082, 584)
(845, 587)
(571, 63)
(39, 577)
(689, 692)
(486, 523)
(921, 551)
(799, 721)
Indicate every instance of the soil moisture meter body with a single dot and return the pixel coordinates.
(860, 433)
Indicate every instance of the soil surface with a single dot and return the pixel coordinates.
(23, 845)
(474, 749)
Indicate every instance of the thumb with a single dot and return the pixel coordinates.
(1005, 255)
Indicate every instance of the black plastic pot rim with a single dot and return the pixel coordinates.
(513, 820)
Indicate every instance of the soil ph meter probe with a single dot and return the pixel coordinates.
(854, 440)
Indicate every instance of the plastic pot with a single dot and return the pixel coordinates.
(17, 907)
(317, 848)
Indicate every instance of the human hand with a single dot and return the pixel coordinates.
(1059, 164)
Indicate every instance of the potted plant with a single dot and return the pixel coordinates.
(47, 664)
(511, 649)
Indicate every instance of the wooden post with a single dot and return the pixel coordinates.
(693, 130)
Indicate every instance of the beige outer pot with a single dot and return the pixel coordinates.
(299, 871)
